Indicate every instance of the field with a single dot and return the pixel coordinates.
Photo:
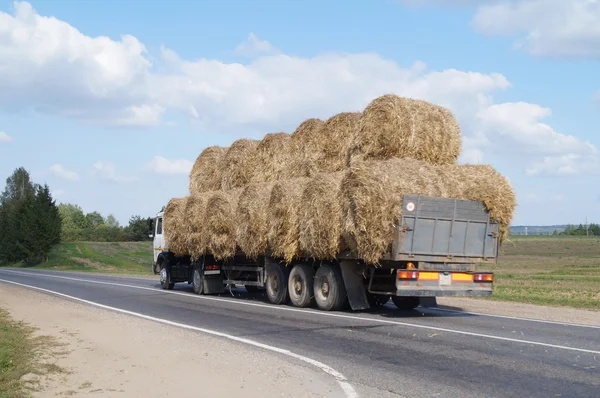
(549, 270)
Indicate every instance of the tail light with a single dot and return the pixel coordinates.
(408, 274)
(483, 277)
(211, 267)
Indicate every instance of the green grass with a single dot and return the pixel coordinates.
(121, 258)
(556, 271)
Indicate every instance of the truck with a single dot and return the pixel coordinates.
(438, 244)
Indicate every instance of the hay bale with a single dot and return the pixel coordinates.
(236, 171)
(373, 194)
(321, 216)
(206, 172)
(284, 228)
(393, 126)
(272, 158)
(335, 141)
(304, 144)
(195, 209)
(174, 226)
(252, 219)
(219, 231)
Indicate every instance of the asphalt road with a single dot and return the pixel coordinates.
(420, 353)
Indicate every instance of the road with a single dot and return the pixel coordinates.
(422, 353)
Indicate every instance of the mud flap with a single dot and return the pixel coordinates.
(214, 284)
(353, 280)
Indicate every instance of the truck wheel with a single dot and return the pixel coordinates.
(377, 300)
(165, 278)
(330, 292)
(277, 289)
(198, 280)
(406, 303)
(301, 285)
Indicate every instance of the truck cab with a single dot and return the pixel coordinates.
(159, 244)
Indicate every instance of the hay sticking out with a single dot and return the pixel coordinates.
(321, 216)
(206, 172)
(219, 231)
(174, 232)
(252, 219)
(335, 141)
(284, 228)
(373, 194)
(236, 169)
(272, 158)
(398, 127)
(194, 212)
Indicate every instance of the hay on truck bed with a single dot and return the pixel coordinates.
(321, 216)
(195, 210)
(398, 127)
(373, 193)
(304, 145)
(335, 141)
(206, 172)
(174, 231)
(272, 158)
(236, 171)
(252, 219)
(220, 225)
(284, 228)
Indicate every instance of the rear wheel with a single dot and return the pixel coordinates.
(277, 288)
(301, 285)
(377, 300)
(330, 292)
(198, 280)
(406, 303)
(165, 278)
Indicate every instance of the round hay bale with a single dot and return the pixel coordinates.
(272, 158)
(236, 170)
(321, 217)
(252, 219)
(174, 226)
(305, 147)
(335, 141)
(194, 212)
(284, 228)
(398, 127)
(206, 172)
(219, 231)
(373, 194)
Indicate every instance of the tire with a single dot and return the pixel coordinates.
(165, 278)
(330, 292)
(406, 303)
(377, 300)
(277, 288)
(198, 280)
(301, 285)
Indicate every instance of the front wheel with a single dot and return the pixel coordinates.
(330, 292)
(406, 303)
(165, 278)
(198, 280)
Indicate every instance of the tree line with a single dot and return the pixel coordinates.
(581, 230)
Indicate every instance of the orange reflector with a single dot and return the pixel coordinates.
(429, 276)
(461, 277)
(408, 274)
(410, 266)
(483, 277)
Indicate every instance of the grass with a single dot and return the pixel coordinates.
(121, 258)
(19, 353)
(559, 271)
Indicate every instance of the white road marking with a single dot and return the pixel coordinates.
(323, 313)
(340, 378)
(515, 318)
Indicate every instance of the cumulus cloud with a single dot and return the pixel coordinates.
(5, 137)
(253, 45)
(108, 171)
(161, 165)
(565, 165)
(59, 171)
(54, 68)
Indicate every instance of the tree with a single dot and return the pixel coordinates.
(94, 219)
(73, 222)
(111, 221)
(138, 229)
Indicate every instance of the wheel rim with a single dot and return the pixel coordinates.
(297, 287)
(274, 283)
(322, 292)
(163, 275)
(196, 278)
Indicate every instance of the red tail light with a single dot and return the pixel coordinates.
(211, 267)
(408, 274)
(483, 277)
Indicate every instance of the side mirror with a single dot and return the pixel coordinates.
(151, 236)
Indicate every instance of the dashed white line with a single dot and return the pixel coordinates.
(325, 314)
(339, 378)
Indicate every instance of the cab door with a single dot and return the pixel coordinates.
(159, 238)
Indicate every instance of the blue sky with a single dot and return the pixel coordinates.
(110, 102)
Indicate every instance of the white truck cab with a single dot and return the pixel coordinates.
(159, 239)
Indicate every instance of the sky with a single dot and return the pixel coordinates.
(110, 102)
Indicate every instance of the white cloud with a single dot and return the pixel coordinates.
(161, 165)
(568, 28)
(5, 137)
(253, 45)
(108, 171)
(59, 171)
(565, 165)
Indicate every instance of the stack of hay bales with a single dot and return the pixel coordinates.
(329, 186)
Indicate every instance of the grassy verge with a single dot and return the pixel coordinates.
(555, 271)
(132, 258)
